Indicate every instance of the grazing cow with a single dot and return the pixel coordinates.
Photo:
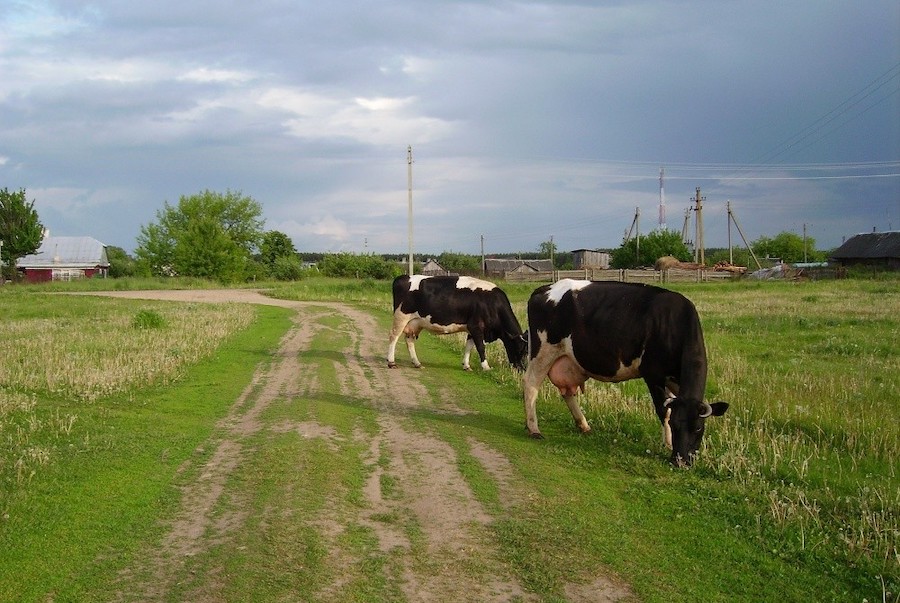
(452, 304)
(580, 330)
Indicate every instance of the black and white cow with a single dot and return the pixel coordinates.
(452, 304)
(580, 330)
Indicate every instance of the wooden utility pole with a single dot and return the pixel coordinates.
(733, 218)
(483, 268)
(409, 162)
(699, 255)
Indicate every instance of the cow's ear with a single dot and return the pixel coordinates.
(719, 408)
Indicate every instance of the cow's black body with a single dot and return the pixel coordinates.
(452, 304)
(580, 330)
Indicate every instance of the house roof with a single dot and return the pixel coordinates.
(870, 245)
(66, 252)
(504, 265)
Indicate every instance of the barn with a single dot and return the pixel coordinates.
(871, 249)
(65, 259)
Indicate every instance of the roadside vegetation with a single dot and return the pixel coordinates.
(795, 496)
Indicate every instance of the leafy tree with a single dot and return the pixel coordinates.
(459, 263)
(20, 229)
(120, 263)
(208, 235)
(274, 245)
(653, 246)
(787, 246)
(547, 249)
(359, 266)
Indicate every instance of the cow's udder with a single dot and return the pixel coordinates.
(567, 376)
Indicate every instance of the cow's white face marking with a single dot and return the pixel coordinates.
(561, 287)
(467, 282)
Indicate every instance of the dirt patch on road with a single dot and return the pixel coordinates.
(423, 469)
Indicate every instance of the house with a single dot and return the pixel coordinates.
(590, 258)
(65, 259)
(432, 268)
(872, 249)
(499, 267)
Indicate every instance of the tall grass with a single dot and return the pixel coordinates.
(59, 354)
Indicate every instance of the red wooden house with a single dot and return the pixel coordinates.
(65, 259)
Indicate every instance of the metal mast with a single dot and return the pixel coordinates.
(409, 162)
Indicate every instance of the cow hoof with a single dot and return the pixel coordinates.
(417, 365)
(392, 365)
(537, 435)
(467, 368)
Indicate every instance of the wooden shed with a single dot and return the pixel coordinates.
(873, 249)
(501, 267)
(65, 259)
(590, 258)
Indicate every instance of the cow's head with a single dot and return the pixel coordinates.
(683, 426)
(517, 350)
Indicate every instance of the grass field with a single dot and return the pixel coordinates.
(796, 490)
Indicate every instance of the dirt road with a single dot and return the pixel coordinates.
(421, 467)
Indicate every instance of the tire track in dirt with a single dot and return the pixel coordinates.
(423, 467)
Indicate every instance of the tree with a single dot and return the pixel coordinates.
(547, 249)
(275, 245)
(208, 235)
(788, 247)
(120, 263)
(653, 246)
(459, 263)
(21, 231)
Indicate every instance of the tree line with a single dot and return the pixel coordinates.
(221, 237)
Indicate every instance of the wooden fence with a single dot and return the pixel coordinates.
(673, 275)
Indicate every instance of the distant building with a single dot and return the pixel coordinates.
(873, 249)
(590, 258)
(65, 259)
(500, 267)
(432, 268)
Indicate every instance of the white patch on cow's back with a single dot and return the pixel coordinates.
(563, 286)
(467, 282)
(414, 281)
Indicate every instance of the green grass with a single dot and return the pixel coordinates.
(794, 498)
(77, 512)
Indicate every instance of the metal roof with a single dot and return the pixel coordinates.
(66, 252)
(870, 245)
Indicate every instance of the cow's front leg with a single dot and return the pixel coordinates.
(467, 353)
(575, 408)
(530, 384)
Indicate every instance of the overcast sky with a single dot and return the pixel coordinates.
(527, 120)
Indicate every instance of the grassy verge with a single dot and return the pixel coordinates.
(85, 477)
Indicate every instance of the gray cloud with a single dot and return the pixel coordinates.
(527, 119)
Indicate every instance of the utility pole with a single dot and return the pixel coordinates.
(551, 250)
(483, 271)
(804, 242)
(699, 256)
(733, 218)
(662, 200)
(409, 162)
(730, 254)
